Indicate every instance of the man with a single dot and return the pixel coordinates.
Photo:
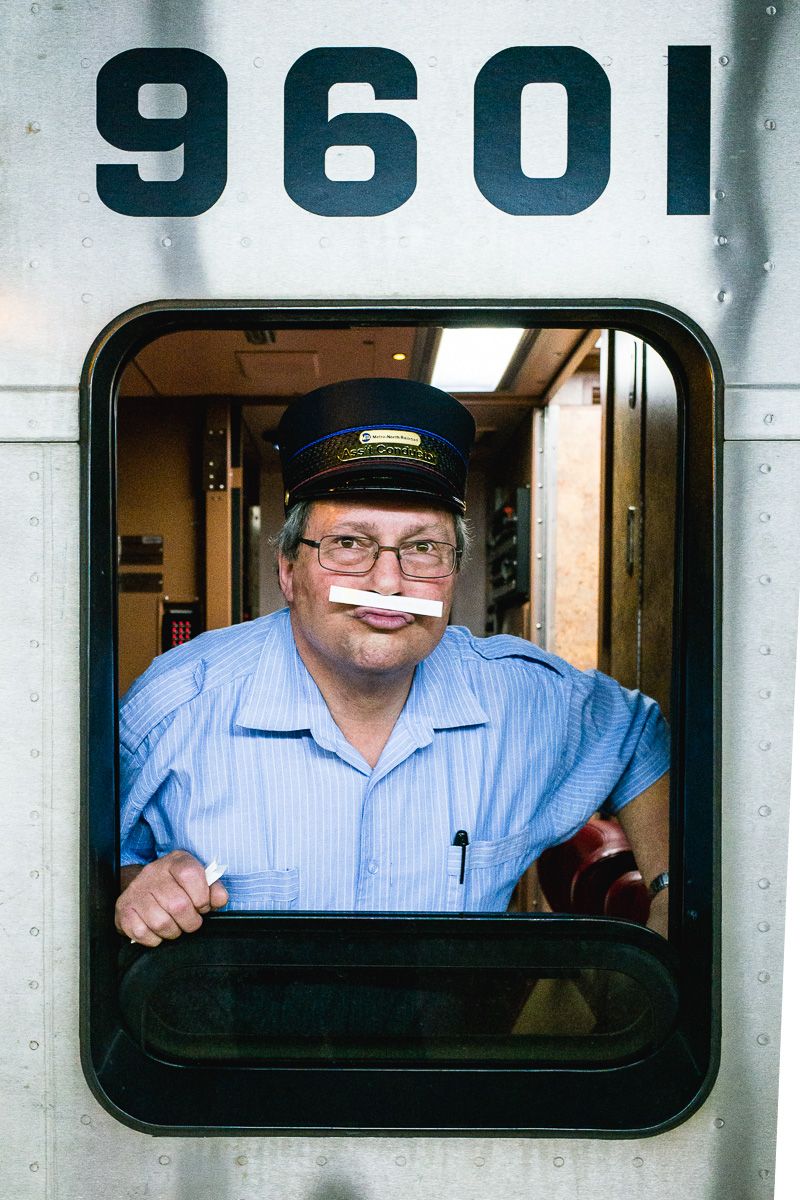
(342, 756)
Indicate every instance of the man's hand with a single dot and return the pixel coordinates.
(166, 898)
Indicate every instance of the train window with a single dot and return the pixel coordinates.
(531, 995)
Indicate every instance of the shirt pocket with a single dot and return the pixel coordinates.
(263, 891)
(491, 869)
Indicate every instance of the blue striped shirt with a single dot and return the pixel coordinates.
(228, 750)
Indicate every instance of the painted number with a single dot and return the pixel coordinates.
(308, 133)
(498, 167)
(387, 142)
(202, 132)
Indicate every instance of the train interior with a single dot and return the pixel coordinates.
(572, 504)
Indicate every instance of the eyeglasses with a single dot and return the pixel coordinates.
(348, 554)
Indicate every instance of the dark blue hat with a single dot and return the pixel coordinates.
(376, 435)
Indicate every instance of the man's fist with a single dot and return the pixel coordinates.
(166, 898)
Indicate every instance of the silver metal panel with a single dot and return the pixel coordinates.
(768, 413)
(72, 265)
(44, 415)
(38, 851)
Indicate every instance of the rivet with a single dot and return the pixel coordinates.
(763, 926)
(33, 1045)
(241, 1160)
(719, 1122)
(765, 745)
(763, 884)
(764, 693)
(85, 62)
(34, 815)
(764, 468)
(721, 240)
(771, 10)
(321, 1160)
(164, 1159)
(763, 977)
(765, 811)
(245, 241)
(638, 1162)
(34, 753)
(33, 475)
(400, 1160)
(722, 296)
(35, 8)
(258, 61)
(764, 579)
(538, 555)
(323, 241)
(723, 60)
(87, 242)
(719, 194)
(33, 1166)
(402, 241)
(34, 697)
(479, 1161)
(34, 932)
(34, 985)
(166, 241)
(34, 874)
(83, 197)
(764, 650)
(33, 643)
(87, 297)
(34, 127)
(641, 195)
(607, 61)
(763, 1039)
(33, 263)
(763, 1173)
(558, 1161)
(433, 61)
(770, 124)
(769, 265)
(86, 1119)
(764, 517)
(538, 624)
(32, 422)
(34, 578)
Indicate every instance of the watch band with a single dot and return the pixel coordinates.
(659, 883)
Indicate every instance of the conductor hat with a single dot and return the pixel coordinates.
(376, 436)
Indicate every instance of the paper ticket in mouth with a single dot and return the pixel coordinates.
(406, 604)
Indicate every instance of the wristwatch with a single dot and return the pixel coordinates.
(658, 884)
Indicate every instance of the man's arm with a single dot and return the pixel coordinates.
(166, 898)
(645, 821)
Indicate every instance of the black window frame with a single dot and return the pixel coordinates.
(647, 1096)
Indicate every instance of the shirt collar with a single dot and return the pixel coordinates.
(282, 696)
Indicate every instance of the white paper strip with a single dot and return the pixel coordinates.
(214, 872)
(407, 604)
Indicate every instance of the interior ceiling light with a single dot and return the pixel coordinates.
(399, 357)
(473, 360)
